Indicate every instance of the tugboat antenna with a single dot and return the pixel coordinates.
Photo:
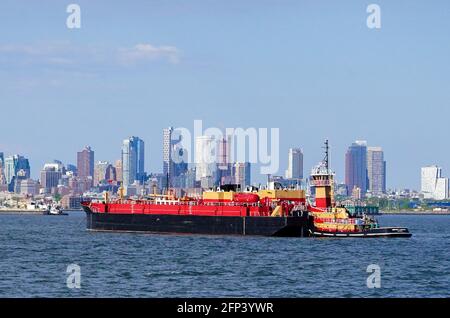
(327, 155)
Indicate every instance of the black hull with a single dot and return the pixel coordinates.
(385, 232)
(190, 224)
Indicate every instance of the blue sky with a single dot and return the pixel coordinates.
(311, 68)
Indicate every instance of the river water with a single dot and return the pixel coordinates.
(35, 252)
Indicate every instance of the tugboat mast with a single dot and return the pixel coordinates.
(326, 160)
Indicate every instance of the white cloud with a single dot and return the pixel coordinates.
(146, 52)
(38, 54)
(67, 54)
(35, 49)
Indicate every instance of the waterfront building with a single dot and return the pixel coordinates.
(356, 167)
(179, 160)
(224, 165)
(228, 178)
(175, 157)
(160, 180)
(3, 188)
(110, 174)
(167, 153)
(71, 168)
(341, 190)
(140, 160)
(128, 162)
(433, 185)
(376, 170)
(71, 202)
(242, 174)
(85, 163)
(55, 165)
(133, 161)
(280, 182)
(224, 146)
(75, 185)
(119, 169)
(2, 162)
(2, 165)
(206, 161)
(295, 164)
(356, 193)
(27, 187)
(84, 184)
(51, 175)
(64, 181)
(16, 168)
(101, 169)
(190, 181)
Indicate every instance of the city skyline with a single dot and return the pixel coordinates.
(85, 160)
(213, 166)
(319, 63)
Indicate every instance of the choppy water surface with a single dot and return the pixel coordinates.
(36, 250)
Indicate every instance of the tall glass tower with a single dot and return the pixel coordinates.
(175, 157)
(356, 167)
(133, 168)
(295, 164)
(376, 170)
(16, 167)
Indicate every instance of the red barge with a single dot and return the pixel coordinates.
(272, 212)
(267, 213)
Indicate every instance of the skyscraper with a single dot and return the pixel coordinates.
(16, 167)
(133, 161)
(175, 161)
(356, 167)
(295, 164)
(85, 162)
(242, 174)
(376, 170)
(118, 168)
(110, 174)
(140, 160)
(27, 187)
(51, 174)
(205, 160)
(2, 165)
(72, 168)
(433, 185)
(224, 152)
(224, 166)
(100, 171)
(167, 153)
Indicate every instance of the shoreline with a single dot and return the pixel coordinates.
(22, 211)
(413, 213)
(32, 212)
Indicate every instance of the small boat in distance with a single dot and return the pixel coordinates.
(54, 209)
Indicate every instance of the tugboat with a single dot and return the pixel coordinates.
(332, 221)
